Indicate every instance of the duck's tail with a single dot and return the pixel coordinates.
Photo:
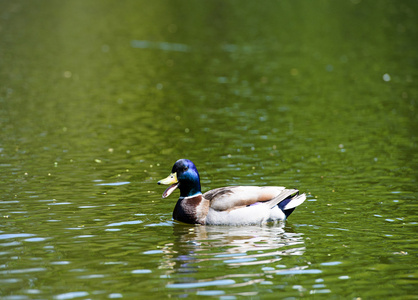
(289, 204)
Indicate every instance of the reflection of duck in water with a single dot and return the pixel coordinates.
(235, 205)
(223, 241)
(229, 248)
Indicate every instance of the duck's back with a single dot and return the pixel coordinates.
(227, 198)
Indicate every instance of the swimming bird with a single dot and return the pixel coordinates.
(234, 205)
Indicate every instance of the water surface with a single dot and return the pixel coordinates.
(99, 98)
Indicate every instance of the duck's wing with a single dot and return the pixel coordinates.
(228, 198)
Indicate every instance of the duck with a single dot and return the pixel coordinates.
(232, 205)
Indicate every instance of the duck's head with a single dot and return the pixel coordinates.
(184, 176)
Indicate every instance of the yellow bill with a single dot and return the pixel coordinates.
(171, 179)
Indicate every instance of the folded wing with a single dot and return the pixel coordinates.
(229, 198)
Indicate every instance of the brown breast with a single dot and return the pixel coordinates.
(192, 210)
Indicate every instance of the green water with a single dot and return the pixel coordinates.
(98, 99)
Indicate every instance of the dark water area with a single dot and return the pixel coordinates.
(98, 99)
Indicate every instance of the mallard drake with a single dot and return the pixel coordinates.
(234, 205)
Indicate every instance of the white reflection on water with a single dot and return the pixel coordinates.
(234, 250)
(266, 240)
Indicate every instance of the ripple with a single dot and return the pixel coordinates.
(200, 284)
(64, 262)
(92, 276)
(239, 260)
(298, 272)
(10, 280)
(114, 183)
(70, 295)
(324, 291)
(15, 235)
(210, 293)
(15, 243)
(114, 263)
(15, 297)
(331, 263)
(20, 271)
(153, 252)
(230, 255)
(125, 223)
(141, 271)
(36, 239)
(9, 202)
(169, 223)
